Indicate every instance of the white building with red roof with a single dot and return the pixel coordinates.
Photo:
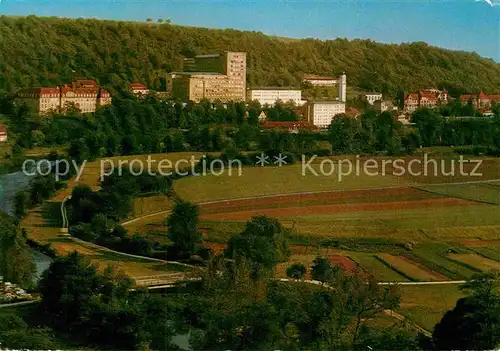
(138, 89)
(481, 101)
(428, 98)
(84, 94)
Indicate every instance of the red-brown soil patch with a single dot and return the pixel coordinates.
(479, 242)
(337, 208)
(298, 198)
(216, 248)
(344, 262)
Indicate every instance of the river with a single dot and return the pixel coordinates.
(10, 185)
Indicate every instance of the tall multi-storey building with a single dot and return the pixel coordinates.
(86, 95)
(213, 77)
(269, 95)
(321, 113)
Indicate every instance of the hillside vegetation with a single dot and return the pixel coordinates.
(48, 51)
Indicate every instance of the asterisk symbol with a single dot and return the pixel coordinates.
(280, 159)
(262, 160)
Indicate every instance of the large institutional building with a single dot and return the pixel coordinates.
(213, 77)
(269, 95)
(320, 113)
(86, 95)
(480, 101)
(429, 98)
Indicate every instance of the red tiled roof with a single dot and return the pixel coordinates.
(427, 95)
(351, 111)
(137, 86)
(39, 91)
(105, 93)
(491, 97)
(467, 97)
(3, 130)
(77, 91)
(85, 83)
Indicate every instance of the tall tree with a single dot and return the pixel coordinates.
(182, 226)
(262, 243)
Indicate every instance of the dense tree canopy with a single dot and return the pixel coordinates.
(474, 323)
(16, 262)
(50, 51)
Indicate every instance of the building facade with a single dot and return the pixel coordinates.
(321, 113)
(383, 106)
(213, 77)
(315, 80)
(372, 97)
(480, 101)
(3, 133)
(269, 95)
(85, 95)
(428, 98)
(138, 89)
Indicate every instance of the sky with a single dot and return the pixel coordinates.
(470, 25)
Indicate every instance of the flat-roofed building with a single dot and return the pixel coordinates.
(269, 95)
(321, 113)
(316, 80)
(213, 77)
(372, 97)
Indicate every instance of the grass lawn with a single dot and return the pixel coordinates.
(220, 231)
(434, 256)
(149, 205)
(426, 304)
(406, 267)
(376, 268)
(420, 224)
(482, 263)
(491, 252)
(259, 181)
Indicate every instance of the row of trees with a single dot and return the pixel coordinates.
(138, 126)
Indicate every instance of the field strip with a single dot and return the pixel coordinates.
(416, 186)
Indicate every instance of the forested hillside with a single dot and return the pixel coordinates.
(47, 51)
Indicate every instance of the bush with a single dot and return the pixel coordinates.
(296, 271)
